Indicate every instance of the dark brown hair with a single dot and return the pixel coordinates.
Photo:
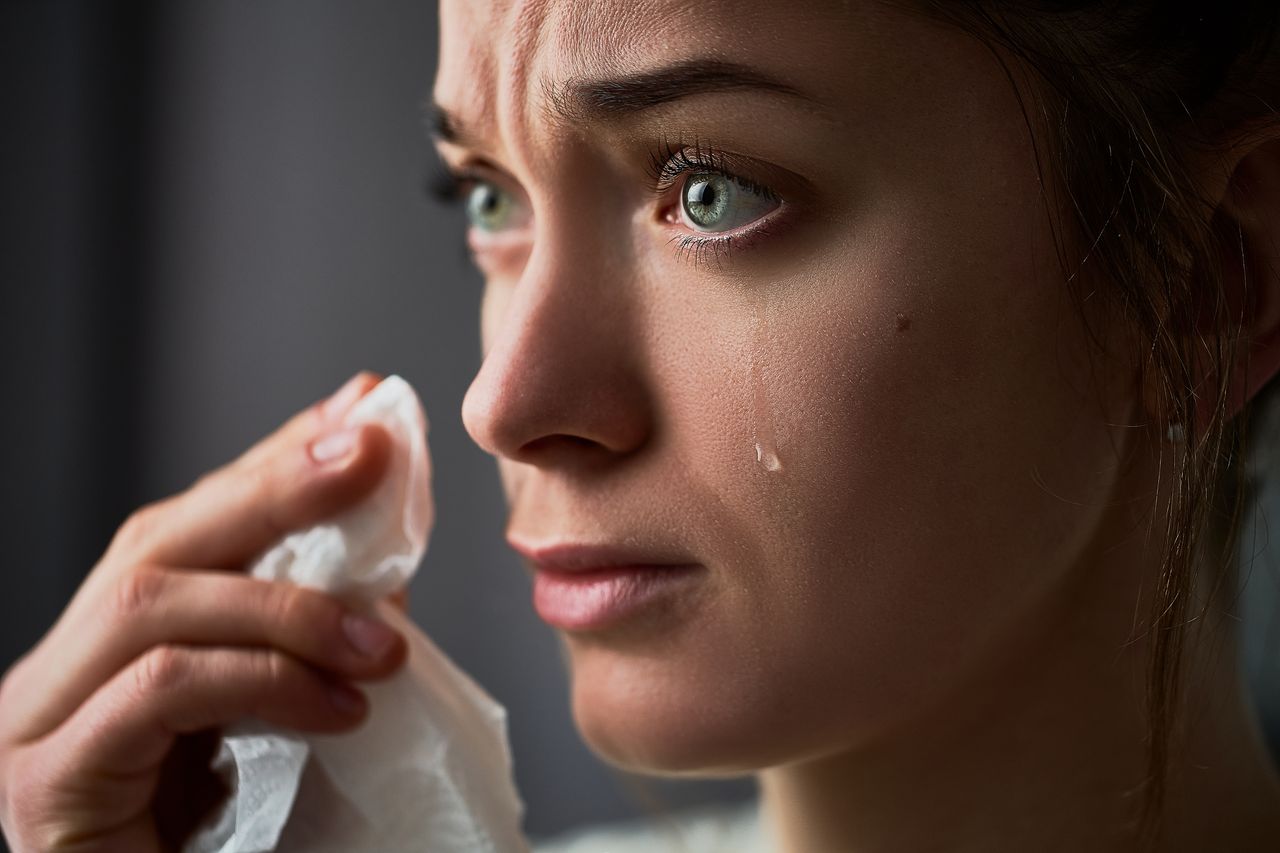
(1127, 98)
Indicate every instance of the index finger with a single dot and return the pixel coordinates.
(233, 513)
(311, 420)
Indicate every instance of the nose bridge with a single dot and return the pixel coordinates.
(564, 372)
(565, 364)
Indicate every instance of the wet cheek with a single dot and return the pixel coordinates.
(856, 429)
(705, 426)
(910, 436)
(897, 442)
(882, 434)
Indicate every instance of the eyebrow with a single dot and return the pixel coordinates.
(605, 98)
(600, 100)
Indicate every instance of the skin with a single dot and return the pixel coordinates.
(108, 723)
(919, 632)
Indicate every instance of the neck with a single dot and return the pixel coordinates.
(1046, 751)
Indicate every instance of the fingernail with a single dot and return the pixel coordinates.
(345, 699)
(368, 636)
(334, 446)
(345, 397)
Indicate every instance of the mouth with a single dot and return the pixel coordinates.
(590, 587)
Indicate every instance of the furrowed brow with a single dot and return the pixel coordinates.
(606, 99)
(446, 126)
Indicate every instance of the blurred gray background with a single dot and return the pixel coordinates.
(212, 216)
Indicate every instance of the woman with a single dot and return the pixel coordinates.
(895, 356)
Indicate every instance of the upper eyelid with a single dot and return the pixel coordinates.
(466, 164)
(461, 176)
(704, 158)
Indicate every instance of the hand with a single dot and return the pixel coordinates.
(107, 725)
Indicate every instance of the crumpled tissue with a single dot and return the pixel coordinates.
(429, 769)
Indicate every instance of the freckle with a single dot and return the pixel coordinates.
(904, 322)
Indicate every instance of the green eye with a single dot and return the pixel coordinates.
(715, 202)
(489, 208)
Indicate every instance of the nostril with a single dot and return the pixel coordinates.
(560, 442)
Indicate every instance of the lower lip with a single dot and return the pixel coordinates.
(593, 599)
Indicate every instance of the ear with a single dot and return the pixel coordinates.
(1248, 221)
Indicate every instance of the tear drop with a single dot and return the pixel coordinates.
(766, 443)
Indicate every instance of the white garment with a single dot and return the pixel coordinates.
(733, 829)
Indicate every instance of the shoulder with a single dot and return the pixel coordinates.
(722, 829)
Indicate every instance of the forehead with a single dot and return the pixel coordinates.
(500, 58)
(492, 41)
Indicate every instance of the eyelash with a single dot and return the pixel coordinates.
(667, 162)
(448, 187)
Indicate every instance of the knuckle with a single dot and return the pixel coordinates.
(264, 486)
(21, 817)
(17, 799)
(139, 528)
(274, 669)
(257, 480)
(304, 620)
(260, 486)
(163, 668)
(288, 606)
(138, 592)
(27, 812)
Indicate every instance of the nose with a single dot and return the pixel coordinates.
(562, 380)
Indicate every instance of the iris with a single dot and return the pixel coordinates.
(715, 202)
(488, 207)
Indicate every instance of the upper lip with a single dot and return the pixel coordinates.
(582, 556)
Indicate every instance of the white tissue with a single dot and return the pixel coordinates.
(430, 768)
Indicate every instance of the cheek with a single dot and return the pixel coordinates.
(943, 464)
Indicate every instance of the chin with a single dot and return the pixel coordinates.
(643, 714)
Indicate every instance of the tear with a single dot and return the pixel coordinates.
(766, 443)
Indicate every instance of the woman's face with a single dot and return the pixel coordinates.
(716, 233)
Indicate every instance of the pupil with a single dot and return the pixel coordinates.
(703, 193)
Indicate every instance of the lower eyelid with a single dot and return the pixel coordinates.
(497, 244)
(699, 247)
